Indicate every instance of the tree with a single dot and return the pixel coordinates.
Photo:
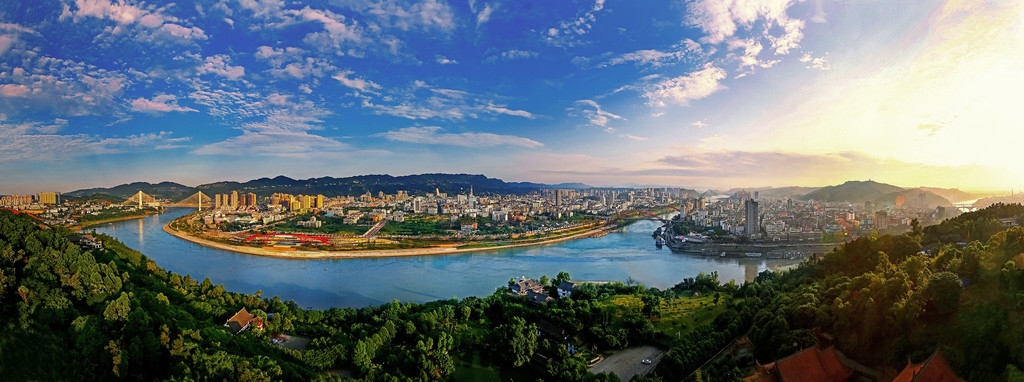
(118, 309)
(943, 293)
(562, 276)
(520, 338)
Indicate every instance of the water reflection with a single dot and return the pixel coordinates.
(629, 253)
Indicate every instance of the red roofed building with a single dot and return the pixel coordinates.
(240, 321)
(813, 365)
(933, 369)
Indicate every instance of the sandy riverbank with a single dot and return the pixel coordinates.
(289, 253)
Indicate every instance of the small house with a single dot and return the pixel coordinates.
(565, 288)
(241, 321)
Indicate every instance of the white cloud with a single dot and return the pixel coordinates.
(161, 103)
(63, 87)
(683, 89)
(484, 15)
(721, 20)
(634, 137)
(568, 32)
(284, 132)
(444, 60)
(510, 55)
(441, 103)
(262, 8)
(37, 141)
(592, 111)
(360, 84)
(699, 124)
(820, 63)
(220, 64)
(433, 135)
(686, 50)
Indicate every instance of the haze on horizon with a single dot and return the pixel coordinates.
(684, 93)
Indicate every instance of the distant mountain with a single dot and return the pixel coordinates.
(952, 194)
(915, 198)
(329, 186)
(1005, 199)
(162, 190)
(852, 191)
(775, 192)
(358, 185)
(93, 197)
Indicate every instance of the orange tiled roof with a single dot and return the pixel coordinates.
(933, 369)
(813, 365)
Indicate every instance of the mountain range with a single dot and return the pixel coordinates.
(852, 191)
(330, 186)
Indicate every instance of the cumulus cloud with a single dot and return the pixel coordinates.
(220, 65)
(162, 103)
(820, 63)
(721, 20)
(683, 89)
(421, 15)
(434, 135)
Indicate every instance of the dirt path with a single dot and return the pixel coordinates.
(627, 363)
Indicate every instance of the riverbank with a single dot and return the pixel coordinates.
(290, 253)
(79, 227)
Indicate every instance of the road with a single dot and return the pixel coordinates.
(626, 363)
(376, 228)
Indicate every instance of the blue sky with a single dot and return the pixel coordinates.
(682, 93)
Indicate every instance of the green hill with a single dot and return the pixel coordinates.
(914, 198)
(852, 191)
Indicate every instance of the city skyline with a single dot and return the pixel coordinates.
(687, 94)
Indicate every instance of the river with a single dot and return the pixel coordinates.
(324, 283)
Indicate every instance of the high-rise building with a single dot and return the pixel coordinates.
(702, 204)
(217, 201)
(558, 197)
(751, 227)
(307, 201)
(49, 198)
(319, 202)
(250, 199)
(234, 199)
(881, 220)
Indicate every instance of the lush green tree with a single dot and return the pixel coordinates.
(517, 341)
(943, 293)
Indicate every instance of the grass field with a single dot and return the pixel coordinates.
(678, 315)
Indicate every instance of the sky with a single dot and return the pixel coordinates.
(695, 94)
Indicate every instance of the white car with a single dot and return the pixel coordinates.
(646, 361)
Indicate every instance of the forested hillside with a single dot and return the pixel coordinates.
(70, 313)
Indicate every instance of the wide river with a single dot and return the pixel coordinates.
(324, 283)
